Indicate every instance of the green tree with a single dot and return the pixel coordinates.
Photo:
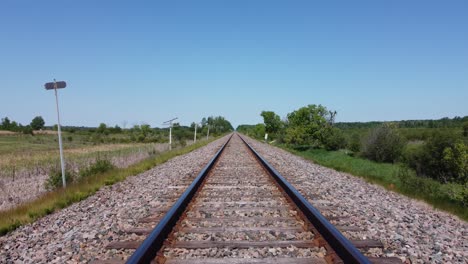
(37, 123)
(455, 159)
(218, 125)
(14, 126)
(102, 128)
(272, 122)
(307, 126)
(6, 124)
(116, 129)
(145, 129)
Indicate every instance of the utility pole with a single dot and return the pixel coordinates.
(54, 86)
(169, 122)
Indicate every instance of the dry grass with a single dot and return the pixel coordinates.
(61, 198)
(4, 132)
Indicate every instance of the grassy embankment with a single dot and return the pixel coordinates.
(61, 198)
(393, 177)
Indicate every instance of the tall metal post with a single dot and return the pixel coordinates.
(62, 159)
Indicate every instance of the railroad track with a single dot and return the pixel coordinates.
(241, 210)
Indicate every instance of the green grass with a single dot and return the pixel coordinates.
(60, 198)
(394, 177)
(20, 143)
(382, 173)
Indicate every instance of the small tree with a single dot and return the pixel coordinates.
(37, 123)
(102, 128)
(14, 126)
(455, 159)
(5, 123)
(308, 125)
(272, 122)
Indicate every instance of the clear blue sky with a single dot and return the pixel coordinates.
(149, 61)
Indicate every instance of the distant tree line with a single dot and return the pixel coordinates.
(429, 123)
(37, 123)
(217, 125)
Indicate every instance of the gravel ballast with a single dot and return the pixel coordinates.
(79, 233)
(409, 229)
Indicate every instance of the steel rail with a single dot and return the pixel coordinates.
(340, 244)
(149, 248)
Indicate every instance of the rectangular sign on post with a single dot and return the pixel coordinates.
(51, 85)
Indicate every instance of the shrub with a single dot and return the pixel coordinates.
(99, 166)
(183, 142)
(443, 157)
(355, 143)
(141, 138)
(424, 187)
(27, 130)
(384, 144)
(334, 140)
(54, 180)
(411, 156)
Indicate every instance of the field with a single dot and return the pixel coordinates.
(47, 202)
(27, 161)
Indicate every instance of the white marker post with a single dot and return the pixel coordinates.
(195, 136)
(208, 133)
(58, 85)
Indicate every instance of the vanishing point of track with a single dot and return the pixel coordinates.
(241, 210)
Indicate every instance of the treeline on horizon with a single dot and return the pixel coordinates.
(444, 122)
(144, 133)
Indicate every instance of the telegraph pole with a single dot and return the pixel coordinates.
(169, 122)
